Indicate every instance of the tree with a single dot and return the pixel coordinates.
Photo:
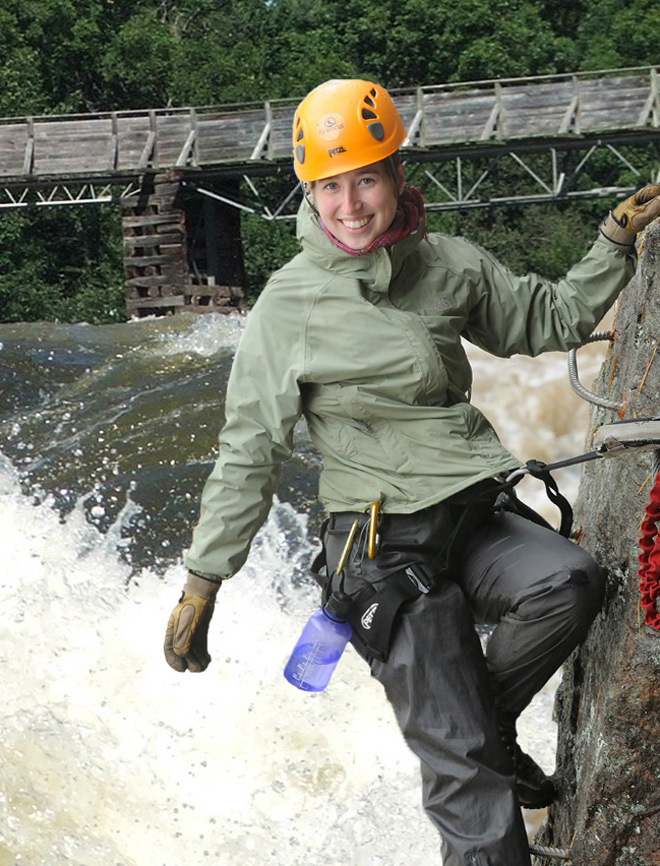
(413, 42)
(61, 264)
(617, 33)
(268, 245)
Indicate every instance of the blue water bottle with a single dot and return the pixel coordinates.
(320, 645)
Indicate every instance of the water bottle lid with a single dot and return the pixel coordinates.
(338, 606)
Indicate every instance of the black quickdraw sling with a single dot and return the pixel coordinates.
(510, 502)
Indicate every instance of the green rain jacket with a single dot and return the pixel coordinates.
(369, 350)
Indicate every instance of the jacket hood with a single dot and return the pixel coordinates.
(375, 269)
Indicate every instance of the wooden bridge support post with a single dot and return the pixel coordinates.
(215, 251)
(155, 256)
(182, 251)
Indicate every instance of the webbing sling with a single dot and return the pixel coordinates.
(542, 472)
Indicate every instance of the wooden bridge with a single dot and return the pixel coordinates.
(183, 175)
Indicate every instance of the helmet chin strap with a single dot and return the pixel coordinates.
(309, 195)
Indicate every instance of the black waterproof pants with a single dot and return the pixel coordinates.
(539, 591)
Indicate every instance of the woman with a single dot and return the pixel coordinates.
(361, 333)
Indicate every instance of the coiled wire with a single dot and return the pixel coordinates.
(578, 387)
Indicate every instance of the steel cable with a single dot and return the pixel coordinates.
(555, 853)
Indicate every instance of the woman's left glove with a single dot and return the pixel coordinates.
(632, 215)
(186, 637)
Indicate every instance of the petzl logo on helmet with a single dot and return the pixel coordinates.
(336, 150)
(330, 126)
(368, 616)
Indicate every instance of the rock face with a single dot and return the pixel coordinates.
(608, 706)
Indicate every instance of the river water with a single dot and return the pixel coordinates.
(110, 758)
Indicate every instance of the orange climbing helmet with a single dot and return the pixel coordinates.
(342, 125)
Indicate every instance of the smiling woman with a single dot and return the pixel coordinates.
(346, 140)
(358, 206)
(361, 334)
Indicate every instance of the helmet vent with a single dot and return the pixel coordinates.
(368, 114)
(300, 153)
(370, 101)
(376, 129)
(300, 134)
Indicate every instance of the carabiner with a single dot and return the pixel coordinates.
(347, 546)
(372, 542)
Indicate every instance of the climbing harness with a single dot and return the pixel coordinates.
(510, 502)
(374, 607)
(609, 440)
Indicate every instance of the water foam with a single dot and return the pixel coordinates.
(111, 758)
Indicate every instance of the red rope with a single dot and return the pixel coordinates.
(649, 558)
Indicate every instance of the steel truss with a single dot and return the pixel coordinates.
(14, 197)
(495, 176)
(559, 177)
(509, 141)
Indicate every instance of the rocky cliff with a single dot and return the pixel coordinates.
(608, 706)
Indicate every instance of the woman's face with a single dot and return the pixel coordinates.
(359, 205)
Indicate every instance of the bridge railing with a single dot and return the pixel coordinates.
(128, 143)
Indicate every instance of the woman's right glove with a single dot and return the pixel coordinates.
(632, 215)
(186, 638)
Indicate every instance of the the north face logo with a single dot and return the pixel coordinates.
(368, 616)
(440, 305)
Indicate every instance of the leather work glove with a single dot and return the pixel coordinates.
(188, 626)
(632, 215)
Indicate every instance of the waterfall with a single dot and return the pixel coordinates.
(109, 757)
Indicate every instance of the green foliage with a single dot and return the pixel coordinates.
(546, 240)
(136, 67)
(618, 33)
(267, 246)
(86, 55)
(61, 265)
